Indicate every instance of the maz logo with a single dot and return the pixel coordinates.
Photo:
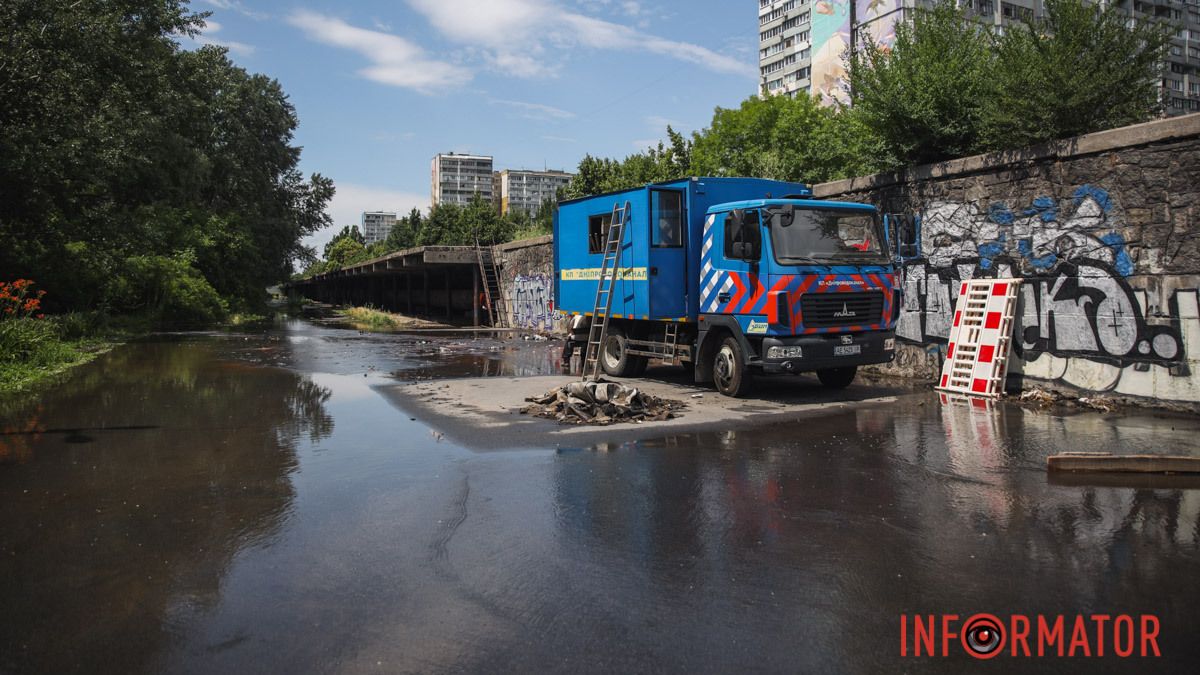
(846, 312)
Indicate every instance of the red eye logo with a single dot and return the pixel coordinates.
(983, 636)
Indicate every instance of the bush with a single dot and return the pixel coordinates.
(169, 289)
(27, 339)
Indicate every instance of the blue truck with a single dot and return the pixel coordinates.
(730, 277)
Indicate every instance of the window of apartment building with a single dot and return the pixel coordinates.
(1194, 88)
(1176, 85)
(774, 84)
(986, 7)
(1176, 50)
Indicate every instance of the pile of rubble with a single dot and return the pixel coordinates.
(601, 403)
(1043, 399)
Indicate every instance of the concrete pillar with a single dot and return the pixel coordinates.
(475, 295)
(425, 288)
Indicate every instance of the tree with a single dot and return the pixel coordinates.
(120, 151)
(345, 251)
(348, 232)
(1082, 68)
(925, 95)
(406, 232)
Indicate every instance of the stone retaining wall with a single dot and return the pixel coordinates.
(1103, 229)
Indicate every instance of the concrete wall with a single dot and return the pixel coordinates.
(1104, 230)
(527, 277)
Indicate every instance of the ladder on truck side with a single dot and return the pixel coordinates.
(610, 270)
(490, 276)
(668, 350)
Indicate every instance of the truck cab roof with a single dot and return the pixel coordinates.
(798, 203)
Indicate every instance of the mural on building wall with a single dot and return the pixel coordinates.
(830, 34)
(532, 303)
(1080, 300)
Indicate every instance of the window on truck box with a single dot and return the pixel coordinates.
(733, 233)
(597, 231)
(666, 213)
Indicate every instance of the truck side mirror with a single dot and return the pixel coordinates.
(906, 239)
(786, 213)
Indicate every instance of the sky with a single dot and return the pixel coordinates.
(381, 86)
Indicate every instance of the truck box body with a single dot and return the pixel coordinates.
(673, 269)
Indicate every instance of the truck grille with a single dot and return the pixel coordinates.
(826, 310)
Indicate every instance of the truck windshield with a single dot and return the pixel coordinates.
(827, 235)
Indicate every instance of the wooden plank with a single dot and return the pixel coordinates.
(1092, 461)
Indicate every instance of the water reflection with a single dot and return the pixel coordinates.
(127, 492)
(847, 521)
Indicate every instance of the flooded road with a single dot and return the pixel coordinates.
(253, 503)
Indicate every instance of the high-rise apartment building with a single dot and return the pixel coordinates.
(377, 225)
(527, 190)
(802, 42)
(458, 178)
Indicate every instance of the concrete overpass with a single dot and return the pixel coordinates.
(435, 282)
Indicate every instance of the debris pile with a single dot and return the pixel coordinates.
(601, 403)
(1044, 399)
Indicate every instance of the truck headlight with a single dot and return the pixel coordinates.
(784, 353)
(889, 344)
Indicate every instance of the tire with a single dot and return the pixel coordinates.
(837, 378)
(731, 375)
(615, 358)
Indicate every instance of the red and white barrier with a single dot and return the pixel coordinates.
(977, 355)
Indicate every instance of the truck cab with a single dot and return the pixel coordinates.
(793, 285)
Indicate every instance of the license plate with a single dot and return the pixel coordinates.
(847, 350)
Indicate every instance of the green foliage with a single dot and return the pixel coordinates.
(117, 145)
(170, 289)
(950, 86)
(1082, 68)
(350, 232)
(405, 232)
(34, 349)
(925, 95)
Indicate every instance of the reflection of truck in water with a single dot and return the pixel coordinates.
(730, 277)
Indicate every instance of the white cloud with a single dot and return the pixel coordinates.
(394, 60)
(516, 32)
(534, 111)
(206, 38)
(351, 199)
(235, 6)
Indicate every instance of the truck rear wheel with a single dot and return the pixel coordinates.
(837, 378)
(730, 372)
(615, 357)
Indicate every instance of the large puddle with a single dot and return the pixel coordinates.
(251, 502)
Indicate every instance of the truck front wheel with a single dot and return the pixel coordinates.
(730, 372)
(615, 357)
(837, 378)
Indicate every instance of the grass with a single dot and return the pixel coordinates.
(369, 318)
(35, 350)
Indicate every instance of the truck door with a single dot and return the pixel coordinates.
(668, 255)
(732, 254)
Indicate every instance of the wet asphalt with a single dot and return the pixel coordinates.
(215, 503)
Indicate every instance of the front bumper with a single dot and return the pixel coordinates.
(819, 351)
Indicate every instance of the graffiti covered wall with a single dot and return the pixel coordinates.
(527, 275)
(1103, 230)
